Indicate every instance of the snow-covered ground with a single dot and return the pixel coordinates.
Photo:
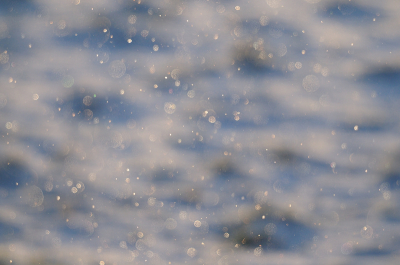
(199, 132)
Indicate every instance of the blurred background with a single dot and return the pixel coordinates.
(199, 132)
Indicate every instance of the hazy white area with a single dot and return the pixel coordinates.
(199, 132)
